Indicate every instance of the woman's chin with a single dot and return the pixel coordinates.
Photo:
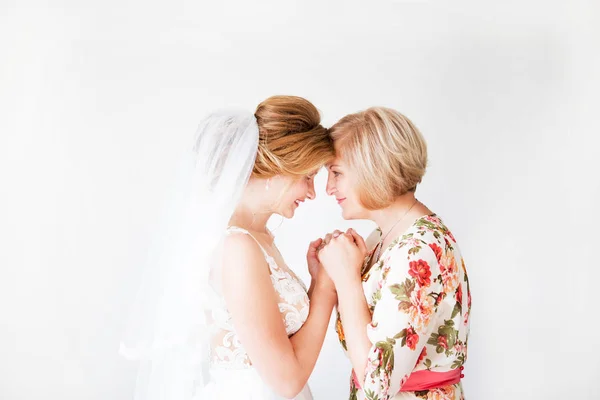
(346, 214)
(289, 213)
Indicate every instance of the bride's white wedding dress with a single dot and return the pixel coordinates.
(232, 376)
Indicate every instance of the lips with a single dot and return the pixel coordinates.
(340, 200)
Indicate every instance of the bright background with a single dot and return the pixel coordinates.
(97, 99)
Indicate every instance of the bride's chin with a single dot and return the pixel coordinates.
(287, 214)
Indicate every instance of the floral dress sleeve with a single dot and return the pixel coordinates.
(403, 316)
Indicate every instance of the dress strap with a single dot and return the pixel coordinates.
(270, 260)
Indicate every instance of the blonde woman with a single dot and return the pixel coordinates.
(262, 328)
(403, 298)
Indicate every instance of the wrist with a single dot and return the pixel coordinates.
(347, 279)
(322, 289)
(349, 286)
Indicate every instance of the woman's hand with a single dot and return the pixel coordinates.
(343, 256)
(314, 247)
(312, 259)
(317, 273)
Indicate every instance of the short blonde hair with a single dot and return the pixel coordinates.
(291, 141)
(386, 151)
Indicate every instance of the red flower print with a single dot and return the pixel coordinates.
(440, 297)
(443, 342)
(430, 218)
(422, 356)
(448, 244)
(437, 250)
(412, 338)
(420, 270)
(459, 295)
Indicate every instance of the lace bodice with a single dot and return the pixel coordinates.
(226, 349)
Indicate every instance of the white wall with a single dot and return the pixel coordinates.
(97, 98)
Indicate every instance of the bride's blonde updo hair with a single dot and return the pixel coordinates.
(291, 140)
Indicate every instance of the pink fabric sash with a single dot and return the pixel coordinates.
(426, 380)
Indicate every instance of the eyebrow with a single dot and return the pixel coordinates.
(333, 165)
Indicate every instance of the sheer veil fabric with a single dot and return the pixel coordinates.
(167, 331)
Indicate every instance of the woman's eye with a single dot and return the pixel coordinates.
(335, 173)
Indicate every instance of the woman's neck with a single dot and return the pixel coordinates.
(250, 217)
(396, 216)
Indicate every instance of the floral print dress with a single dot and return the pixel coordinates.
(418, 294)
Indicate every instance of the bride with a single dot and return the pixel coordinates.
(219, 314)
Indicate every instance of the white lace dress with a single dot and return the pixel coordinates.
(232, 376)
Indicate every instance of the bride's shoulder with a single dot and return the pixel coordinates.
(240, 249)
(240, 241)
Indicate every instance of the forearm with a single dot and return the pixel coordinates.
(307, 342)
(355, 317)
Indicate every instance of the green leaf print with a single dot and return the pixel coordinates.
(402, 291)
(394, 243)
(427, 363)
(414, 250)
(460, 360)
(433, 339)
(449, 332)
(371, 395)
(404, 306)
(445, 338)
(353, 392)
(376, 297)
(426, 224)
(457, 309)
(400, 334)
(387, 353)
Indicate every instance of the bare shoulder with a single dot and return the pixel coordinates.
(242, 255)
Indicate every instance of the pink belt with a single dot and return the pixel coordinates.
(426, 380)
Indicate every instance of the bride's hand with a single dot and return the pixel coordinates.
(312, 259)
(317, 273)
(343, 256)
